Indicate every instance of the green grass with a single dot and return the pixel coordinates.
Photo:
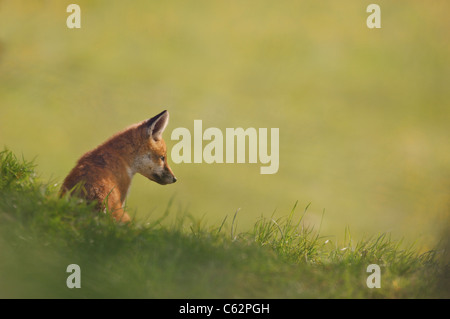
(41, 234)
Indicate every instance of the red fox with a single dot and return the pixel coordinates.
(104, 174)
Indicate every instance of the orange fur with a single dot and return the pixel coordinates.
(105, 173)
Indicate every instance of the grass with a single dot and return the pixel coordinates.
(41, 234)
(363, 117)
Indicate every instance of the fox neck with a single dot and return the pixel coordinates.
(130, 172)
(123, 173)
(126, 167)
(127, 187)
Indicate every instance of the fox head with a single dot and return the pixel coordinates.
(151, 160)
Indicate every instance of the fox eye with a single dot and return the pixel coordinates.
(162, 158)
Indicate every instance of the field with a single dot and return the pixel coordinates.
(363, 118)
(43, 234)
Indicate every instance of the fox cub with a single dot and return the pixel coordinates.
(104, 174)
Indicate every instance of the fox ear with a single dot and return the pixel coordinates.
(157, 124)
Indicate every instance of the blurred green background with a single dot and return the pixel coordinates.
(363, 113)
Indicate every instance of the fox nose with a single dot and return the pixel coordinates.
(174, 179)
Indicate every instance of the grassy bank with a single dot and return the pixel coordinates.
(41, 234)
